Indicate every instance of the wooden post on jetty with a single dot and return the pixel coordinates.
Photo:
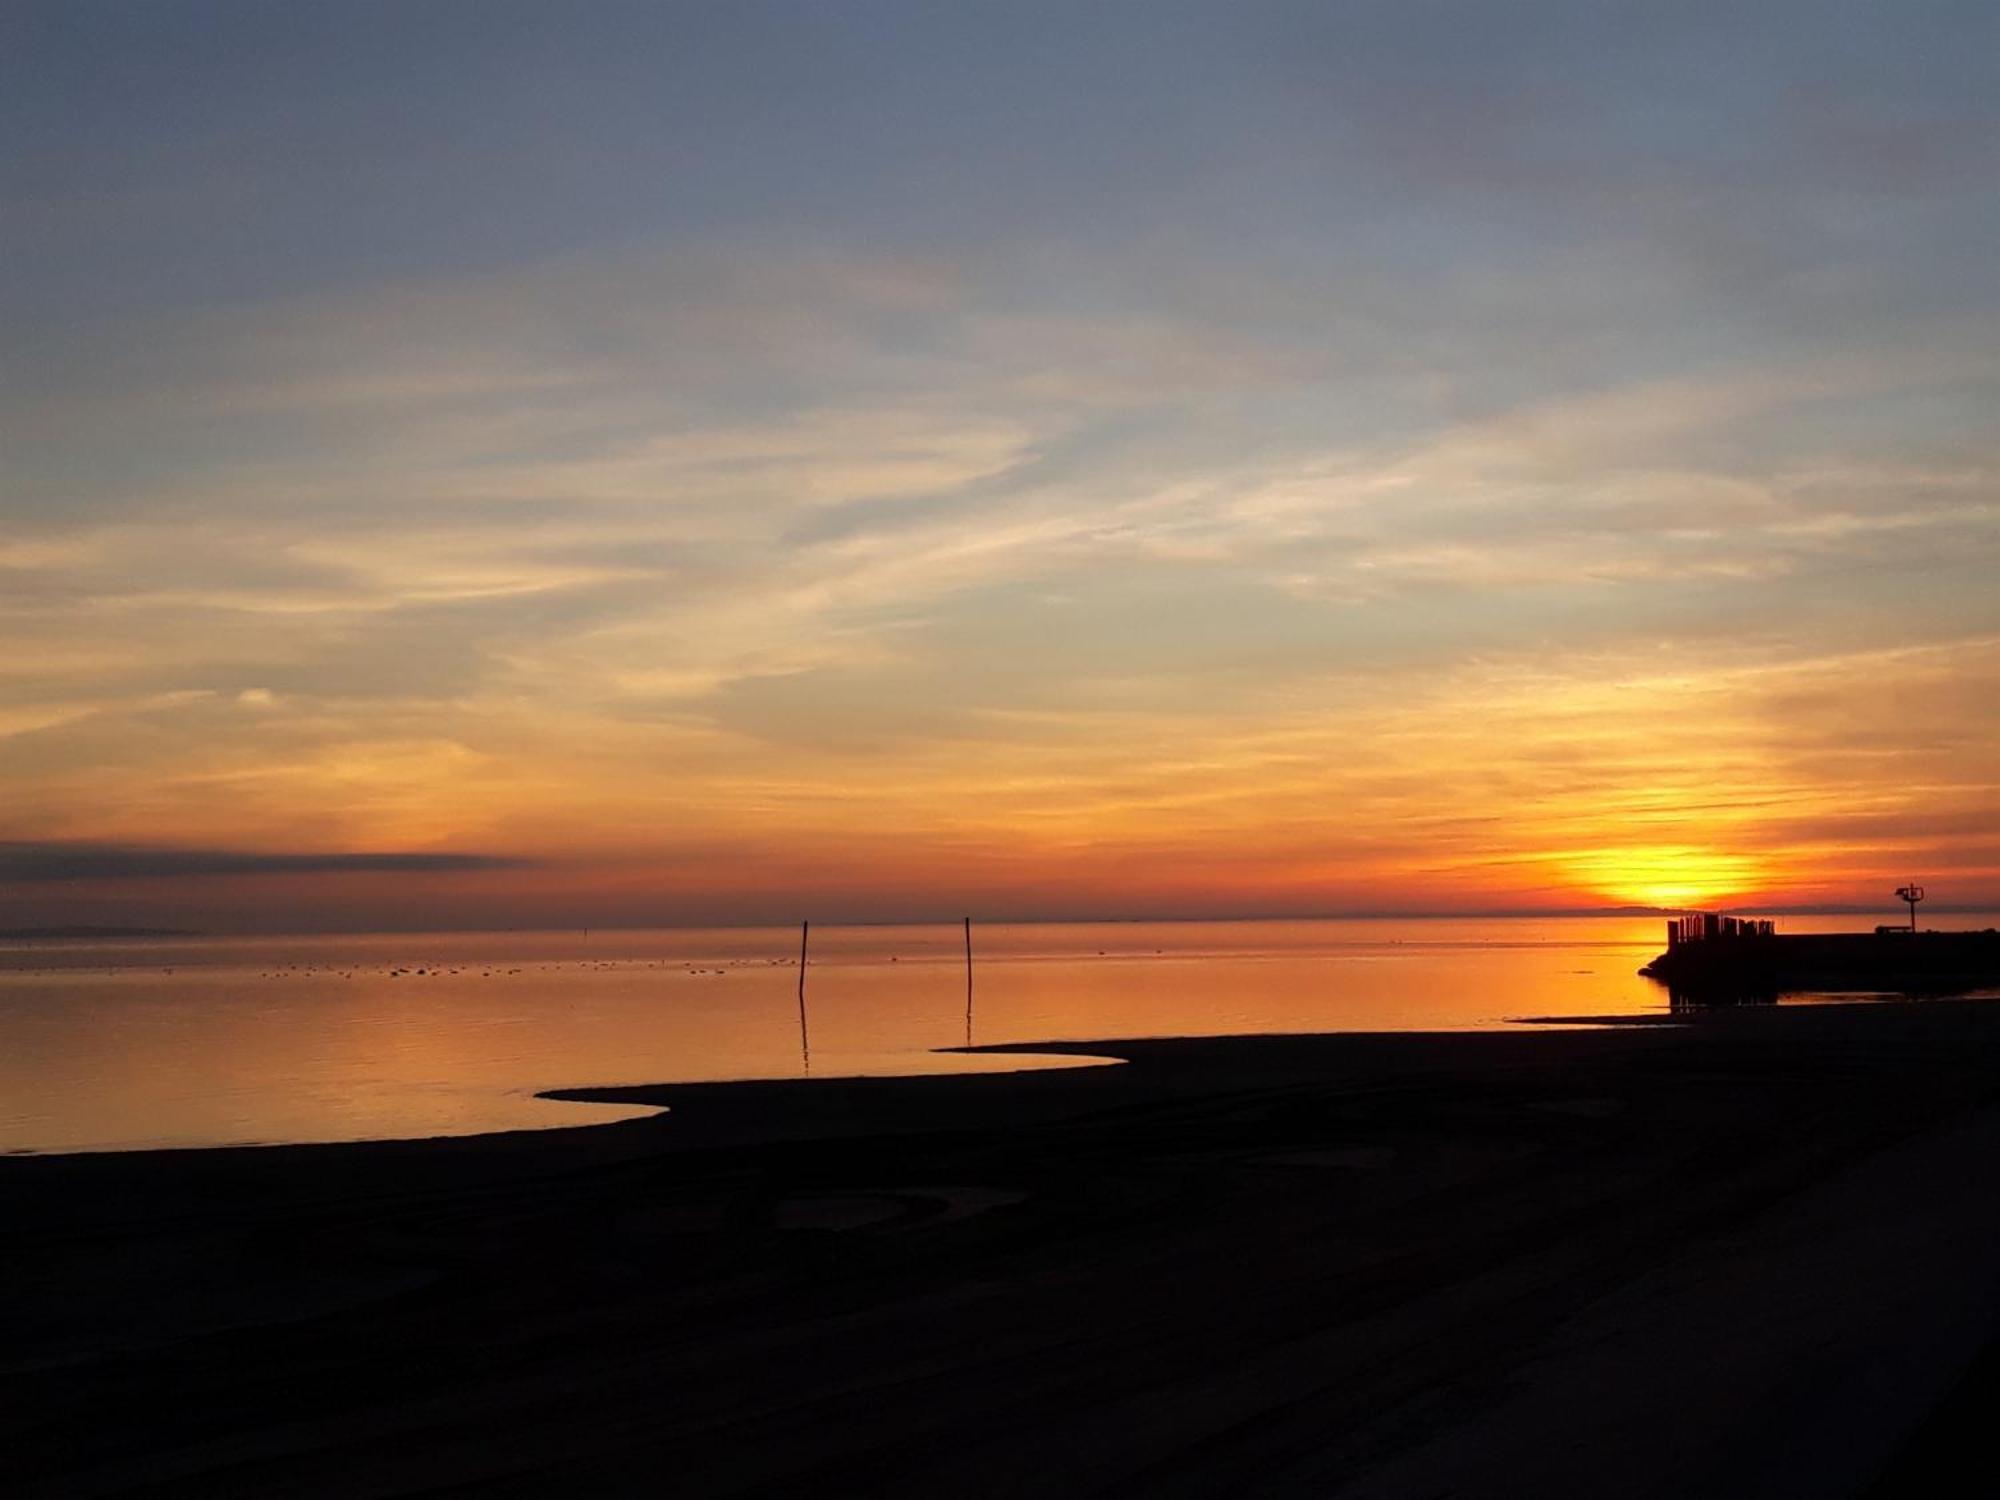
(805, 1037)
(968, 981)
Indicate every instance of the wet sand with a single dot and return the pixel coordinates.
(1758, 1254)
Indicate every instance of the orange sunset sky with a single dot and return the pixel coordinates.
(487, 466)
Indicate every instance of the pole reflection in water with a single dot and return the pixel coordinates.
(1682, 1000)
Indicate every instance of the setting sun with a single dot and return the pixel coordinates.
(1668, 877)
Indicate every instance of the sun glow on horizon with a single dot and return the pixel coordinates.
(1147, 498)
(1669, 877)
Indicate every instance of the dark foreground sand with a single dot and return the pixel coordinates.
(1757, 1255)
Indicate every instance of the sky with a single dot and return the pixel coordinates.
(483, 464)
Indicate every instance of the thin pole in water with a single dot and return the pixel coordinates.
(805, 1038)
(968, 981)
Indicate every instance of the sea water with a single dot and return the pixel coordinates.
(223, 1041)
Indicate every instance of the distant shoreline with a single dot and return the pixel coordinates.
(1875, 914)
(46, 934)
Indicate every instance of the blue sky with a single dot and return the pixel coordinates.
(1005, 438)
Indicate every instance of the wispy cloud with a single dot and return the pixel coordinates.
(33, 864)
(1385, 413)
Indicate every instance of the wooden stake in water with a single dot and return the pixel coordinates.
(805, 1038)
(968, 981)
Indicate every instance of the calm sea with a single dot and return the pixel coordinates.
(210, 1041)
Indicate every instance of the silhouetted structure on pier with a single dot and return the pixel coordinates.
(1912, 893)
(1715, 959)
(1705, 926)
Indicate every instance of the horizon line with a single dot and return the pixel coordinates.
(1359, 915)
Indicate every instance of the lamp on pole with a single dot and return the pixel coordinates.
(1912, 893)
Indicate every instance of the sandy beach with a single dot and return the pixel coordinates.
(1750, 1255)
